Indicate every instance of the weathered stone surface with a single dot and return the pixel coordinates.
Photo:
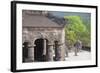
(37, 25)
(51, 36)
(50, 53)
(31, 53)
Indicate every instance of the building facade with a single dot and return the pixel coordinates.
(43, 36)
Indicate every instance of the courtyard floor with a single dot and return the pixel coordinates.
(83, 55)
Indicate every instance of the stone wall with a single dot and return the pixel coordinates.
(51, 34)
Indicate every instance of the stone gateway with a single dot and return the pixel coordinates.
(43, 36)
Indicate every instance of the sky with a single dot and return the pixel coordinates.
(86, 17)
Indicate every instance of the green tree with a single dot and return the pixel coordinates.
(76, 30)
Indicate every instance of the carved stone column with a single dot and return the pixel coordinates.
(50, 52)
(56, 48)
(58, 52)
(28, 52)
(31, 53)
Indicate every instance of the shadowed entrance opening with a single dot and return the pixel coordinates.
(39, 50)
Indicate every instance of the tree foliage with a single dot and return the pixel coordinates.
(76, 30)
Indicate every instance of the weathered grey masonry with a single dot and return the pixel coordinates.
(50, 36)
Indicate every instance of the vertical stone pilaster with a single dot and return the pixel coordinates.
(56, 49)
(28, 52)
(58, 57)
(59, 52)
(50, 52)
(31, 53)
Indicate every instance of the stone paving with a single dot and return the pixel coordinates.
(83, 55)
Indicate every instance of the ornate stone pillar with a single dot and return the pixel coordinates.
(58, 52)
(56, 47)
(50, 52)
(28, 52)
(31, 53)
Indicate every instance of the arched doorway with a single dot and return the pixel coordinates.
(39, 50)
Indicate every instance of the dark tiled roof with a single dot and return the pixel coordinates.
(31, 20)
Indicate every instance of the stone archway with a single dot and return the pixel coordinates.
(42, 45)
(40, 49)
